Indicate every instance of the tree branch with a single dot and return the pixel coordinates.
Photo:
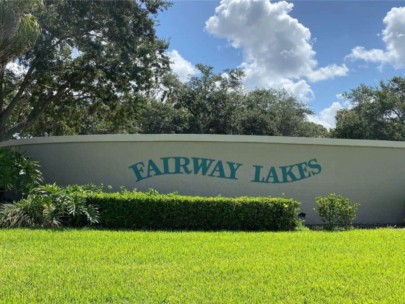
(5, 113)
(36, 113)
(1, 91)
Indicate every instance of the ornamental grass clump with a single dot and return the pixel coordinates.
(336, 211)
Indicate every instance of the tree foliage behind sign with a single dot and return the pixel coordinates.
(212, 103)
(89, 67)
(377, 112)
(87, 71)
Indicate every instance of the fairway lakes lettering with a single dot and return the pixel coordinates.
(224, 169)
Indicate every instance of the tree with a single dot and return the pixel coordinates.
(207, 102)
(87, 72)
(18, 28)
(377, 112)
(276, 113)
(215, 103)
(311, 129)
(160, 117)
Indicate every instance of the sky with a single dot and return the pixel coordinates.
(316, 50)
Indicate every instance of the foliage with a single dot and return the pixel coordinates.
(208, 101)
(88, 266)
(311, 129)
(87, 72)
(19, 29)
(18, 174)
(50, 206)
(336, 210)
(376, 113)
(160, 117)
(89, 67)
(136, 210)
(216, 103)
(276, 113)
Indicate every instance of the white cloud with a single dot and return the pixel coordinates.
(393, 36)
(180, 66)
(277, 48)
(326, 117)
(373, 55)
(258, 77)
(300, 89)
(328, 72)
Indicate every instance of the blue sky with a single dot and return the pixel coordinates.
(315, 49)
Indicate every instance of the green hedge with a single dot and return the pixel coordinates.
(136, 210)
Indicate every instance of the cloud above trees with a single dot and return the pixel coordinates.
(277, 49)
(393, 36)
(327, 117)
(182, 68)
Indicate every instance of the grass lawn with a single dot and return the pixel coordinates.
(88, 266)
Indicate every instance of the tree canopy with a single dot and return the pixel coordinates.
(91, 67)
(376, 112)
(19, 29)
(85, 65)
(216, 103)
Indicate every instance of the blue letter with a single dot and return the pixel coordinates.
(233, 167)
(257, 178)
(272, 174)
(178, 165)
(166, 168)
(303, 170)
(218, 168)
(138, 171)
(153, 168)
(287, 172)
(201, 164)
(316, 167)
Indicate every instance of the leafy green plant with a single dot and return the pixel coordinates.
(18, 174)
(151, 210)
(336, 210)
(51, 206)
(25, 213)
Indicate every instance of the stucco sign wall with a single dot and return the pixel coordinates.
(369, 172)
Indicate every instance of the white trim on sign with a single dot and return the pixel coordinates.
(202, 138)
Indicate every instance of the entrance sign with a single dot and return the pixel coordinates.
(223, 169)
(371, 173)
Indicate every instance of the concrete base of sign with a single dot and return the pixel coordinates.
(369, 172)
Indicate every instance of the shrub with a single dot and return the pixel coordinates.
(136, 210)
(18, 174)
(50, 206)
(336, 210)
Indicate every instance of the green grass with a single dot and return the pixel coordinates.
(86, 266)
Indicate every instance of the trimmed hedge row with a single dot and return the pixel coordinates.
(137, 210)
